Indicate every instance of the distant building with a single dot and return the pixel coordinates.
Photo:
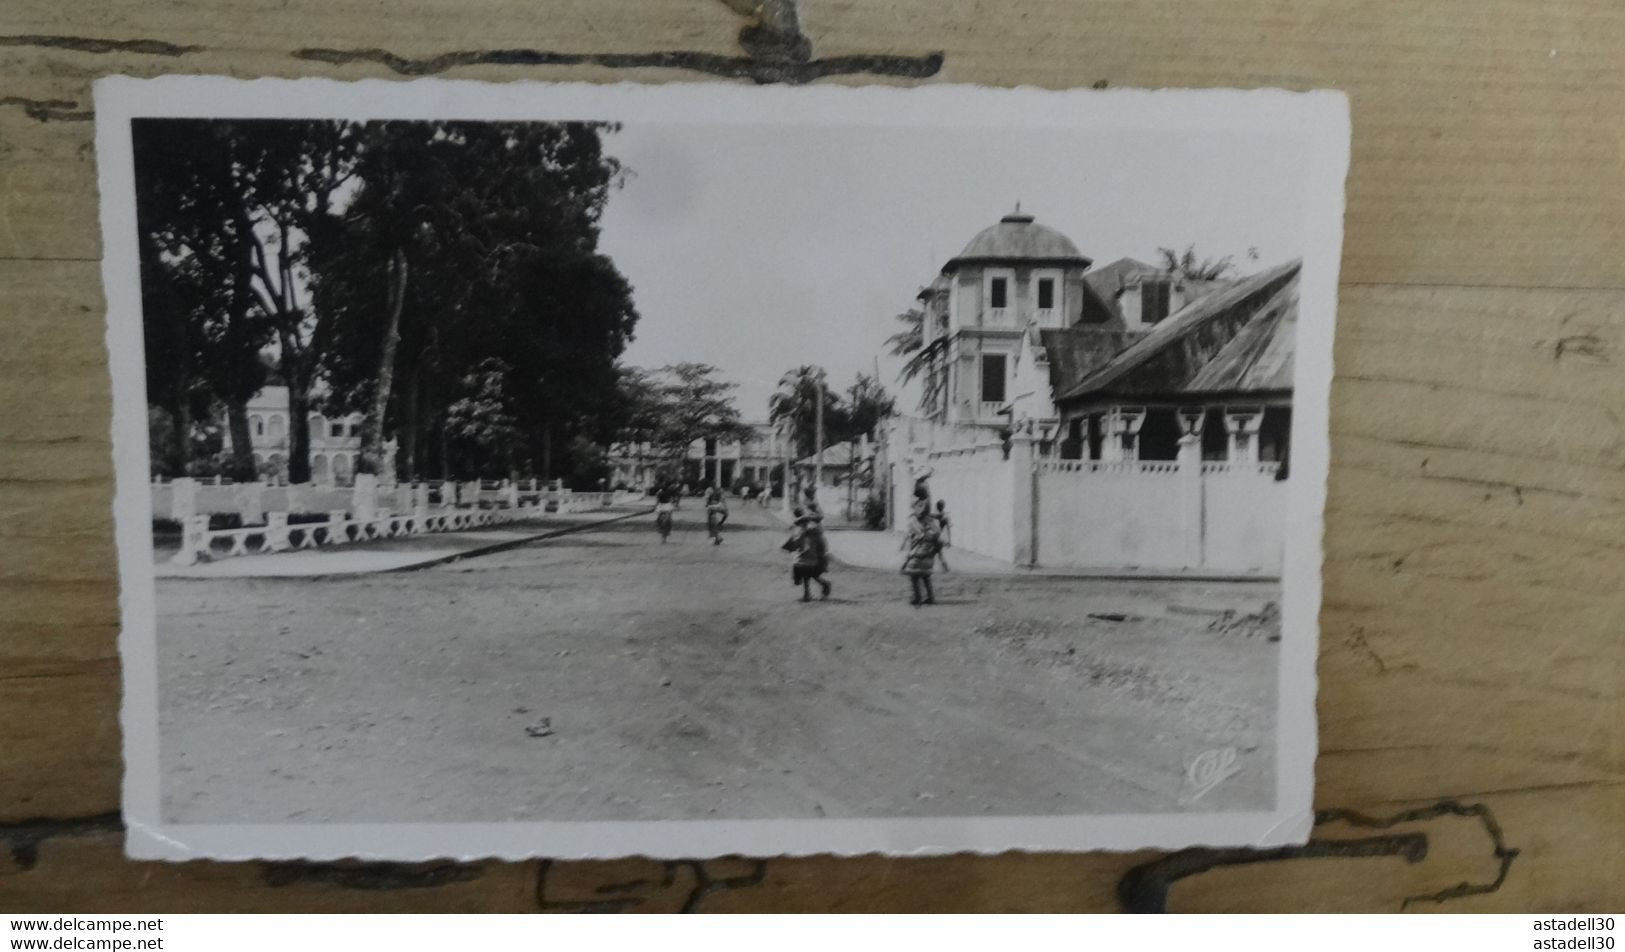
(757, 461)
(334, 441)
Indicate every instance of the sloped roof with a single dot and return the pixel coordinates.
(1103, 285)
(1107, 284)
(1211, 344)
(1260, 357)
(1017, 237)
(1075, 351)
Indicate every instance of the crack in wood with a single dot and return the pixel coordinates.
(369, 876)
(705, 886)
(732, 67)
(1145, 888)
(23, 837)
(48, 110)
(91, 44)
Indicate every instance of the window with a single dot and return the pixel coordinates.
(1154, 297)
(1046, 293)
(259, 426)
(997, 291)
(993, 378)
(337, 429)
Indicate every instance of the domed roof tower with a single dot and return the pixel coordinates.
(1018, 238)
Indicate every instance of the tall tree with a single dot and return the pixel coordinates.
(795, 403)
(691, 403)
(203, 332)
(864, 405)
(467, 241)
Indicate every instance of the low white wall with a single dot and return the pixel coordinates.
(1145, 516)
(1244, 518)
(977, 485)
(1125, 516)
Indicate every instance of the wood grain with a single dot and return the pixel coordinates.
(1470, 650)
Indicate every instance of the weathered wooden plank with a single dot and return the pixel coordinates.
(1477, 159)
(1470, 644)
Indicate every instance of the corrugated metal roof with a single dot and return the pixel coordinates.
(1260, 357)
(1179, 351)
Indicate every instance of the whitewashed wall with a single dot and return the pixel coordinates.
(1159, 517)
(1244, 523)
(1128, 516)
(977, 484)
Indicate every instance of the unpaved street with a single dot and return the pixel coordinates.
(604, 675)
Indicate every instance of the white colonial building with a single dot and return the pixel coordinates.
(334, 441)
(757, 461)
(1127, 418)
(1014, 275)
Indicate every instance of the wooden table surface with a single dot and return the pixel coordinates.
(1471, 643)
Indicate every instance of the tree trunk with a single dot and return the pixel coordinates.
(298, 430)
(180, 442)
(445, 452)
(409, 431)
(372, 427)
(242, 442)
(547, 451)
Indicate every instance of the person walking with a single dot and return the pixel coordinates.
(921, 546)
(665, 505)
(716, 513)
(812, 554)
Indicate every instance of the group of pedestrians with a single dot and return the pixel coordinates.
(923, 543)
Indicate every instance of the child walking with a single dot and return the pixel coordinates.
(944, 531)
(922, 545)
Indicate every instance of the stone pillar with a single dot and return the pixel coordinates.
(364, 497)
(251, 502)
(183, 500)
(386, 469)
(1192, 514)
(194, 541)
(298, 498)
(420, 504)
(1024, 497)
(276, 532)
(1243, 430)
(510, 493)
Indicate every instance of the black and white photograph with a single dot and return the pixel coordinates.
(559, 470)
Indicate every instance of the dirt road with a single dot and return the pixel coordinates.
(608, 676)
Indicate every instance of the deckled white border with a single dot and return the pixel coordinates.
(1318, 118)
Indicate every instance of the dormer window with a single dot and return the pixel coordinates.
(1155, 294)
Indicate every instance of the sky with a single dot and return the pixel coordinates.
(761, 248)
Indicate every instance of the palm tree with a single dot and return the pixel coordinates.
(796, 403)
(1192, 268)
(910, 342)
